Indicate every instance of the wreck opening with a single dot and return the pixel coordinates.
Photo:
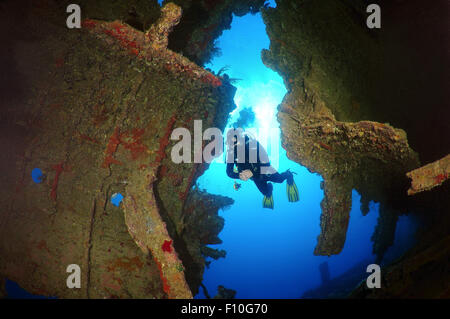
(270, 253)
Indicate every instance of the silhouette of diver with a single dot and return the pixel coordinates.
(252, 162)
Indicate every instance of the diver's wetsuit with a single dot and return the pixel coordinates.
(261, 179)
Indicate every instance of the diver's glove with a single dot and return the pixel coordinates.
(245, 175)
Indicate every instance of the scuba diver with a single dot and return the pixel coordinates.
(252, 162)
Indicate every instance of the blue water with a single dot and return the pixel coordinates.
(14, 291)
(270, 252)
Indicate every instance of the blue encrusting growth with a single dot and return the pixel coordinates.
(116, 199)
(37, 175)
(270, 252)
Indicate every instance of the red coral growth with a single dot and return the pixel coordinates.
(134, 42)
(163, 171)
(136, 147)
(131, 141)
(125, 36)
(58, 168)
(113, 143)
(325, 146)
(439, 179)
(166, 286)
(166, 246)
(88, 23)
(121, 33)
(88, 138)
(211, 79)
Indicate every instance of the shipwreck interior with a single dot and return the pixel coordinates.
(360, 115)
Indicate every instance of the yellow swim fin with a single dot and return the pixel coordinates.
(268, 202)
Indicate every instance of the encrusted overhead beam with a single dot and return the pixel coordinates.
(429, 176)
